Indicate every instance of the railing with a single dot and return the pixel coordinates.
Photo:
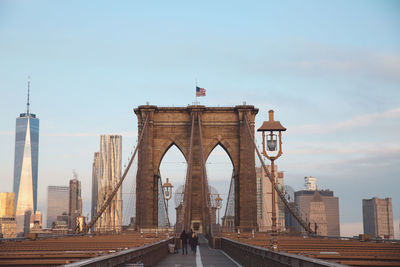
(148, 255)
(250, 256)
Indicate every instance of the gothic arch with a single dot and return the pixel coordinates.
(164, 148)
(228, 149)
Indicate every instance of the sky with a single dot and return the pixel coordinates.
(329, 69)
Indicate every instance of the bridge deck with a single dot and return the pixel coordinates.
(205, 256)
(62, 250)
(348, 252)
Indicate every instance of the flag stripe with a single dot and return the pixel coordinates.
(200, 91)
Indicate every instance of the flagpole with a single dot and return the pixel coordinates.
(196, 92)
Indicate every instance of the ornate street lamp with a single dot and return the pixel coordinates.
(167, 195)
(271, 151)
(218, 203)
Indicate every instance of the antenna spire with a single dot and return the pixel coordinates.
(27, 102)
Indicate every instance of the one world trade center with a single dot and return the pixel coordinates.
(26, 167)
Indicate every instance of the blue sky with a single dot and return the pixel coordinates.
(330, 70)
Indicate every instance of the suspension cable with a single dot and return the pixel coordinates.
(111, 196)
(280, 194)
(229, 197)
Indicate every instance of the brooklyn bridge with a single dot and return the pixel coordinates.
(196, 130)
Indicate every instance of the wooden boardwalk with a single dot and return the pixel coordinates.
(63, 250)
(348, 252)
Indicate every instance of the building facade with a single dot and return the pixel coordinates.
(35, 221)
(7, 202)
(109, 176)
(95, 179)
(317, 215)
(57, 203)
(26, 167)
(264, 200)
(7, 218)
(75, 202)
(310, 183)
(378, 217)
(303, 201)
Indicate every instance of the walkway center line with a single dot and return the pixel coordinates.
(198, 257)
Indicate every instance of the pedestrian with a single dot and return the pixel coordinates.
(184, 239)
(191, 235)
(195, 242)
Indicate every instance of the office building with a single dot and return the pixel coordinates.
(317, 215)
(61, 225)
(35, 221)
(264, 200)
(109, 176)
(75, 202)
(378, 217)
(8, 224)
(7, 202)
(26, 167)
(310, 183)
(95, 178)
(57, 203)
(310, 207)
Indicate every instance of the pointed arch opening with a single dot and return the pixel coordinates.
(173, 166)
(220, 169)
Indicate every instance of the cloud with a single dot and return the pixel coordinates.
(355, 122)
(323, 59)
(351, 165)
(6, 133)
(343, 148)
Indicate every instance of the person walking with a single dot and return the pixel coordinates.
(184, 239)
(195, 241)
(191, 235)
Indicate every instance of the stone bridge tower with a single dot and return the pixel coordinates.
(212, 126)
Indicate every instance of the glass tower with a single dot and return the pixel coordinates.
(57, 203)
(108, 178)
(26, 167)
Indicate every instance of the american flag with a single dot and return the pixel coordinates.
(200, 91)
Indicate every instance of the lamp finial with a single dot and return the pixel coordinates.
(271, 115)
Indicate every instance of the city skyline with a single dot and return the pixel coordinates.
(330, 72)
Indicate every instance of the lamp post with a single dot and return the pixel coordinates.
(218, 203)
(167, 195)
(272, 152)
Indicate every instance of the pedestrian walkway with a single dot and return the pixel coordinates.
(205, 257)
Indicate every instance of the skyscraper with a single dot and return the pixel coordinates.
(264, 200)
(75, 201)
(309, 211)
(109, 176)
(95, 179)
(317, 215)
(57, 203)
(378, 217)
(26, 167)
(7, 202)
(310, 183)
(7, 219)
